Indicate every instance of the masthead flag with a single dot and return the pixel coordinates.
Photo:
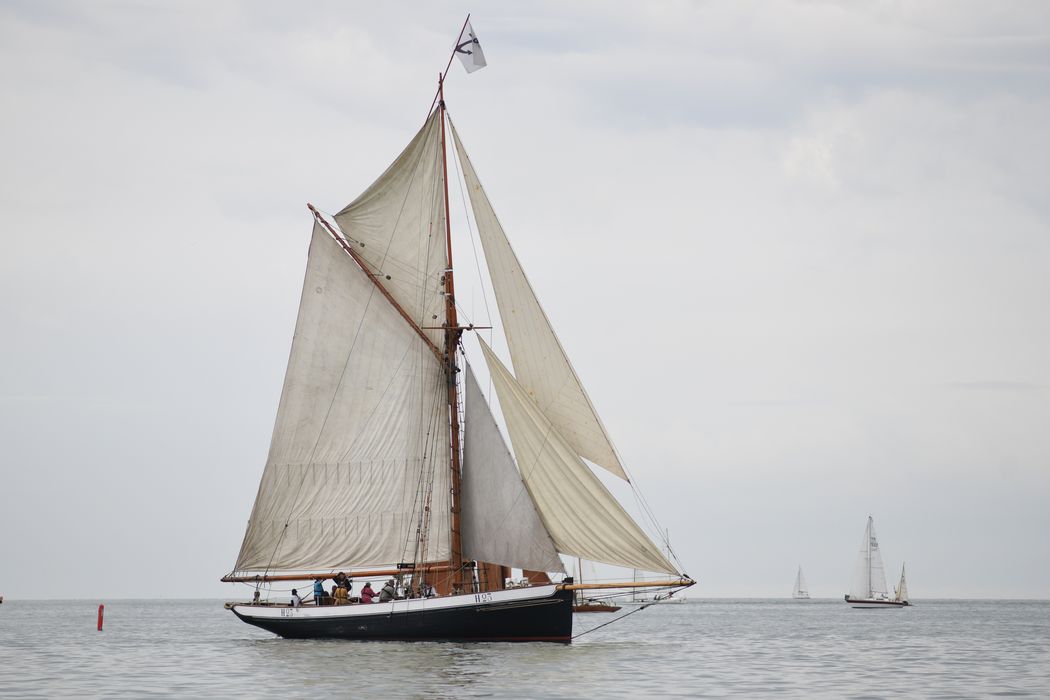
(469, 50)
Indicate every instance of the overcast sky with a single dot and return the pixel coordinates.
(799, 254)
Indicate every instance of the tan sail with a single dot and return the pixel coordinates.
(398, 227)
(500, 523)
(582, 517)
(360, 429)
(541, 366)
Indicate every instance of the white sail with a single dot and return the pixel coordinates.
(800, 591)
(869, 579)
(361, 432)
(541, 366)
(500, 524)
(902, 588)
(582, 517)
(398, 227)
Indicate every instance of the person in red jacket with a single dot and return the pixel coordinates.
(367, 594)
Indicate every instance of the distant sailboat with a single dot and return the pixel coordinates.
(637, 598)
(869, 583)
(901, 594)
(801, 591)
(588, 605)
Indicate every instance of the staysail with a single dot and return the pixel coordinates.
(361, 438)
(582, 517)
(500, 523)
(869, 579)
(541, 366)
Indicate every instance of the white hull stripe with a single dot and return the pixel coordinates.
(310, 611)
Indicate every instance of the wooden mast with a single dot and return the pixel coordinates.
(452, 335)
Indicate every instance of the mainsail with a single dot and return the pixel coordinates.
(869, 578)
(361, 438)
(540, 363)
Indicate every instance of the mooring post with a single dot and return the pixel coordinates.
(100, 609)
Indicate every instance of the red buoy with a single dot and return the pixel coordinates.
(100, 609)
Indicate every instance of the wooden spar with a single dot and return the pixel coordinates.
(370, 573)
(452, 334)
(671, 583)
(345, 245)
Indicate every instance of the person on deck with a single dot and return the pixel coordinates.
(341, 596)
(296, 600)
(367, 594)
(319, 594)
(426, 590)
(388, 593)
(343, 581)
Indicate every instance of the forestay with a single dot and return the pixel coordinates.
(361, 432)
(540, 363)
(582, 517)
(500, 523)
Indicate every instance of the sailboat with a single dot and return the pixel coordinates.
(901, 594)
(649, 598)
(801, 591)
(581, 604)
(869, 583)
(386, 460)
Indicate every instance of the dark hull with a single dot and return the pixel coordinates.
(540, 620)
(868, 604)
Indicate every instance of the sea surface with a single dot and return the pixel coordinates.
(703, 648)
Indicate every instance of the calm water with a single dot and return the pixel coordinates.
(937, 649)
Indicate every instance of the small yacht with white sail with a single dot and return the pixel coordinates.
(801, 590)
(869, 582)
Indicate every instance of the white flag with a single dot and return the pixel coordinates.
(469, 50)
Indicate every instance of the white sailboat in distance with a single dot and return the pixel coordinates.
(801, 591)
(869, 581)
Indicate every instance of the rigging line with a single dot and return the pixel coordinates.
(422, 482)
(425, 485)
(466, 215)
(647, 511)
(467, 211)
(605, 624)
